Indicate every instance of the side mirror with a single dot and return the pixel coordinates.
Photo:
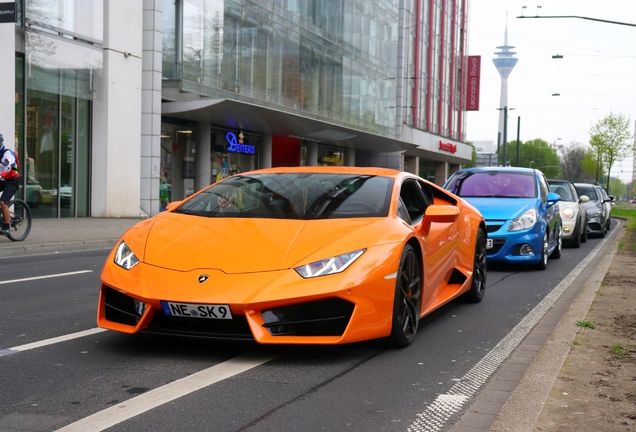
(584, 198)
(173, 204)
(553, 198)
(439, 214)
(612, 197)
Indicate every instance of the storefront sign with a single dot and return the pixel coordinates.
(474, 73)
(237, 146)
(451, 148)
(7, 12)
(332, 159)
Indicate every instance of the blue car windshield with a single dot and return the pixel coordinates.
(494, 184)
(293, 196)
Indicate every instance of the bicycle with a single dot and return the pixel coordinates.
(20, 220)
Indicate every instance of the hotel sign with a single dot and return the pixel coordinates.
(451, 148)
(474, 75)
(7, 12)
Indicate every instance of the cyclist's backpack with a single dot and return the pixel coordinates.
(15, 165)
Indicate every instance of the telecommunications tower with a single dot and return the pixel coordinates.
(504, 62)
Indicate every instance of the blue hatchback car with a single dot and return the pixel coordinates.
(522, 215)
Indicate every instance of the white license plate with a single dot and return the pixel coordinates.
(191, 310)
(488, 243)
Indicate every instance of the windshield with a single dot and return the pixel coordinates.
(293, 196)
(494, 184)
(562, 190)
(589, 191)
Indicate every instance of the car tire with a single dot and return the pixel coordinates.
(543, 264)
(556, 253)
(480, 266)
(584, 234)
(407, 299)
(576, 237)
(609, 224)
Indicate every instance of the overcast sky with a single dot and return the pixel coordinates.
(596, 76)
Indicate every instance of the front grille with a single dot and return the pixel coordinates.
(494, 226)
(319, 318)
(120, 308)
(235, 329)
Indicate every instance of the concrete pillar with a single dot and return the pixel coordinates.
(151, 106)
(351, 157)
(452, 168)
(441, 173)
(412, 164)
(7, 84)
(117, 125)
(203, 156)
(312, 153)
(265, 152)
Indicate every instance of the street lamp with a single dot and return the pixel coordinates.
(531, 162)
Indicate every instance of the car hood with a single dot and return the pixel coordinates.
(240, 245)
(592, 206)
(502, 208)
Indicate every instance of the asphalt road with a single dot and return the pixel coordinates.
(53, 376)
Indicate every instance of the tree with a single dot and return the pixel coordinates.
(618, 187)
(473, 162)
(611, 138)
(572, 157)
(592, 165)
(539, 152)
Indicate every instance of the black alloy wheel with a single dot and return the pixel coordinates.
(480, 266)
(407, 299)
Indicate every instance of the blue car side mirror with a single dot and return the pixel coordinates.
(553, 197)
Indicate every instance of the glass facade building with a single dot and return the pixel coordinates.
(227, 86)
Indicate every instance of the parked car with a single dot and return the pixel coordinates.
(573, 212)
(522, 215)
(598, 208)
(304, 255)
(608, 201)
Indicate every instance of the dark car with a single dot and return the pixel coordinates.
(573, 212)
(522, 215)
(598, 208)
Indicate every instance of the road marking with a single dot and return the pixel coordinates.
(435, 415)
(50, 341)
(167, 393)
(45, 277)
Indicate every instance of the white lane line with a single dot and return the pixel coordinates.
(167, 393)
(45, 277)
(435, 415)
(50, 341)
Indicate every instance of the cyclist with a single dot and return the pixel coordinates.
(9, 183)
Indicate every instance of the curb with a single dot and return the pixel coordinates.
(51, 248)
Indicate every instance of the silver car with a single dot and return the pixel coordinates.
(573, 212)
(598, 208)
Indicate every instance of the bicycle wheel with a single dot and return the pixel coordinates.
(20, 220)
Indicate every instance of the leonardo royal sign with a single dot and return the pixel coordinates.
(451, 148)
(474, 72)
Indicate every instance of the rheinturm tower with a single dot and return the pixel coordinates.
(504, 62)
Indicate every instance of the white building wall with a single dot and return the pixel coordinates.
(117, 128)
(151, 106)
(7, 86)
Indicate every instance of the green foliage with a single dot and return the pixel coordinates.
(473, 162)
(618, 350)
(617, 187)
(611, 140)
(537, 151)
(585, 323)
(629, 213)
(593, 165)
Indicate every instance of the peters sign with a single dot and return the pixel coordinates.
(7, 12)
(472, 92)
(451, 148)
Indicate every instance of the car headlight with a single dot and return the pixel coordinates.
(329, 266)
(124, 257)
(526, 221)
(568, 213)
(594, 214)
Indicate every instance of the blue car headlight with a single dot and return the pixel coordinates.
(124, 257)
(524, 222)
(329, 266)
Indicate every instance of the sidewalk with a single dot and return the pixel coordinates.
(67, 235)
